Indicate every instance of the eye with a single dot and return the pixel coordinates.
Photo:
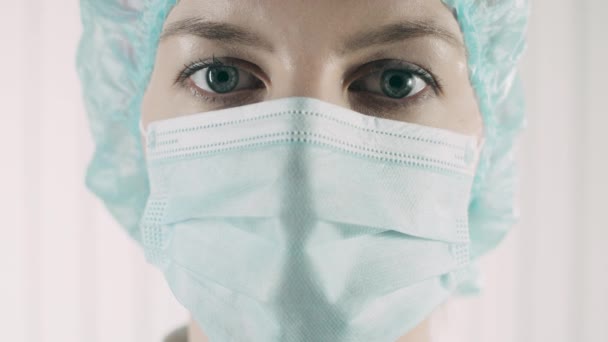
(210, 79)
(393, 81)
(224, 79)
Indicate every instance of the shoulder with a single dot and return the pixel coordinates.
(178, 335)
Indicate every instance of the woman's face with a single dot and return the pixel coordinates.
(396, 59)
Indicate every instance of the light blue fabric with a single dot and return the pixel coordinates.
(297, 220)
(115, 60)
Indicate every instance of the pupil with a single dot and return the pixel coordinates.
(396, 83)
(222, 77)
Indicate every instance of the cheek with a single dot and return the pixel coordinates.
(161, 98)
(467, 113)
(456, 110)
(461, 105)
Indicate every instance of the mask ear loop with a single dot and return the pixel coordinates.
(481, 140)
(142, 129)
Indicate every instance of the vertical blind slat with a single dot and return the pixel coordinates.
(14, 202)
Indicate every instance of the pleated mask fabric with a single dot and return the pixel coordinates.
(299, 220)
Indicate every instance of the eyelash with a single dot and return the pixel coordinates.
(190, 69)
(368, 69)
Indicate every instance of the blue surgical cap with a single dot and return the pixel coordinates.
(116, 56)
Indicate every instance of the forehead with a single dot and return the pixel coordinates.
(321, 21)
(312, 6)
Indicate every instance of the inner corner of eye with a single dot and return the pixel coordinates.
(354, 88)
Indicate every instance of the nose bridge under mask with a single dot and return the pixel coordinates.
(308, 75)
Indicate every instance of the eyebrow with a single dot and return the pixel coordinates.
(394, 33)
(219, 31)
(236, 35)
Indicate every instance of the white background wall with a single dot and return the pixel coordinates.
(68, 273)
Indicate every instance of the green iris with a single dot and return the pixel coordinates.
(222, 79)
(396, 83)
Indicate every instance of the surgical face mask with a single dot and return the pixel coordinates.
(298, 220)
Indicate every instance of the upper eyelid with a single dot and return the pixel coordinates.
(240, 64)
(424, 73)
(201, 64)
(188, 69)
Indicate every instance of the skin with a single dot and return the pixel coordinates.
(305, 57)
